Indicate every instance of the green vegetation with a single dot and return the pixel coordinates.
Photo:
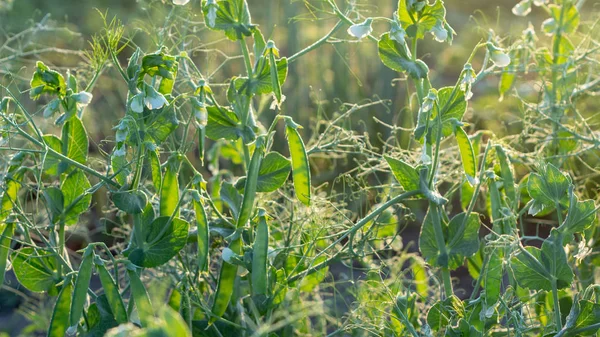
(207, 209)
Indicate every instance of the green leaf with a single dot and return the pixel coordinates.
(418, 17)
(534, 268)
(131, 202)
(583, 315)
(47, 81)
(274, 171)
(82, 283)
(121, 165)
(397, 57)
(75, 142)
(467, 155)
(222, 123)
(99, 318)
(406, 175)
(452, 104)
(461, 236)
(162, 126)
(76, 198)
(163, 239)
(444, 312)
(262, 84)
(232, 198)
(112, 295)
(547, 188)
(581, 215)
(60, 315)
(51, 163)
(300, 164)
(230, 16)
(55, 202)
(567, 14)
(492, 279)
(35, 268)
(162, 65)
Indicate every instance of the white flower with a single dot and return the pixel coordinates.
(425, 158)
(397, 33)
(498, 56)
(361, 30)
(227, 254)
(200, 113)
(83, 98)
(440, 34)
(51, 108)
(137, 103)
(153, 99)
(429, 100)
(180, 2)
(120, 152)
(522, 8)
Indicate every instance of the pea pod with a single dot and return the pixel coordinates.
(82, 283)
(5, 240)
(140, 297)
(112, 294)
(226, 283)
(300, 165)
(169, 192)
(259, 257)
(273, 51)
(507, 175)
(467, 155)
(155, 169)
(203, 235)
(60, 315)
(251, 183)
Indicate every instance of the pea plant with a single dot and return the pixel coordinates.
(216, 228)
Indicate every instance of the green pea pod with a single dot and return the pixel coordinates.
(5, 240)
(140, 297)
(201, 143)
(112, 294)
(155, 169)
(203, 235)
(275, 76)
(169, 192)
(226, 283)
(259, 257)
(467, 155)
(507, 175)
(251, 183)
(82, 283)
(300, 165)
(60, 316)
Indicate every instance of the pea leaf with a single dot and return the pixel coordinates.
(443, 312)
(461, 236)
(419, 17)
(581, 215)
(163, 239)
(230, 16)
(51, 164)
(131, 202)
(232, 198)
(5, 242)
(35, 268)
(406, 175)
(161, 125)
(261, 84)
(76, 198)
(46, 81)
(583, 314)
(222, 123)
(274, 171)
(452, 105)
(547, 188)
(75, 142)
(396, 56)
(60, 315)
(569, 17)
(162, 65)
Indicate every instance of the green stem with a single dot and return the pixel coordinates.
(317, 44)
(439, 237)
(557, 316)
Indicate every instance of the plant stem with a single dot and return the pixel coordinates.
(557, 316)
(317, 43)
(439, 237)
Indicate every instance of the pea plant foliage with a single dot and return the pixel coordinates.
(215, 228)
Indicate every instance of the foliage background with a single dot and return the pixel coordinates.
(318, 84)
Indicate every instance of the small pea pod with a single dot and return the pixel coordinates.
(155, 169)
(60, 316)
(5, 240)
(226, 283)
(203, 234)
(169, 192)
(82, 283)
(273, 51)
(300, 165)
(507, 175)
(140, 297)
(251, 183)
(467, 155)
(112, 294)
(259, 257)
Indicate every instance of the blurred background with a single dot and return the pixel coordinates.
(320, 85)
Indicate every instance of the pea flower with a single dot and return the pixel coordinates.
(498, 56)
(180, 2)
(397, 33)
(153, 99)
(137, 103)
(440, 34)
(429, 100)
(360, 30)
(522, 8)
(468, 78)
